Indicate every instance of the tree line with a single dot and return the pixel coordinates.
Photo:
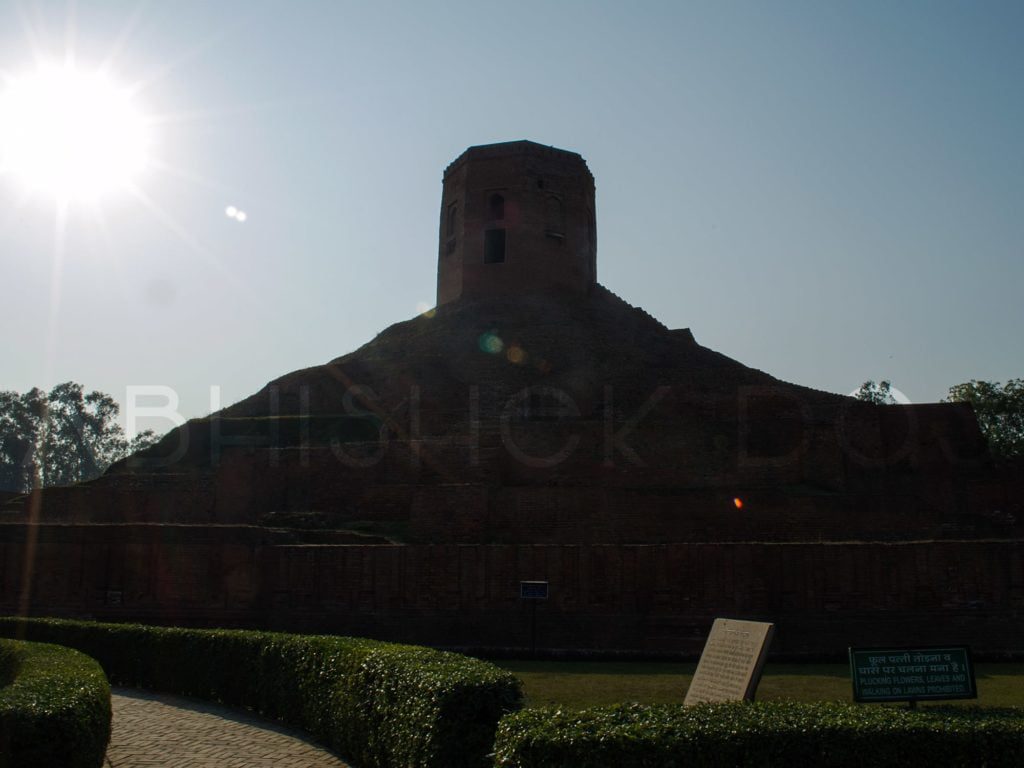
(60, 437)
(999, 408)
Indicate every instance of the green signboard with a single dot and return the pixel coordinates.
(912, 674)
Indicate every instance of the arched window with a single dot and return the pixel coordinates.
(497, 207)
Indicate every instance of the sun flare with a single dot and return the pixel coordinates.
(71, 134)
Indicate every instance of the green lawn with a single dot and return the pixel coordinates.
(579, 684)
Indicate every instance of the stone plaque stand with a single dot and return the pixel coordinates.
(730, 665)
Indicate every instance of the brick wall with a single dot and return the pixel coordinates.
(644, 598)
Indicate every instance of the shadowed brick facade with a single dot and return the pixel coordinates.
(537, 426)
(516, 217)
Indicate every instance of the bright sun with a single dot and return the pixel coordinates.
(71, 134)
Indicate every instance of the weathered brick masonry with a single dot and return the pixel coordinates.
(537, 426)
(654, 597)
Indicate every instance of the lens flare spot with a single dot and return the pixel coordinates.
(491, 343)
(737, 502)
(231, 211)
(516, 354)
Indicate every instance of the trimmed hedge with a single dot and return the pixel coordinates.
(762, 734)
(54, 707)
(374, 703)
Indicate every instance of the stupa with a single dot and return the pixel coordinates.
(536, 426)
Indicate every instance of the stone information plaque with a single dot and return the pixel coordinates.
(731, 662)
(912, 674)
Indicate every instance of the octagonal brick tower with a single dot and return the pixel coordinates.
(516, 217)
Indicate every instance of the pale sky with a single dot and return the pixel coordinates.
(829, 192)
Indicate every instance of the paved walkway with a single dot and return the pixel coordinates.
(156, 730)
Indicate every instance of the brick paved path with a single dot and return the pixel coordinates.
(156, 730)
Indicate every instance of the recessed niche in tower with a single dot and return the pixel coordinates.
(494, 246)
(497, 207)
(554, 218)
(452, 211)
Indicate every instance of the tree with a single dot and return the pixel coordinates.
(19, 436)
(62, 437)
(880, 393)
(1000, 412)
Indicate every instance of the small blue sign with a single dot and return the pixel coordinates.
(533, 590)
